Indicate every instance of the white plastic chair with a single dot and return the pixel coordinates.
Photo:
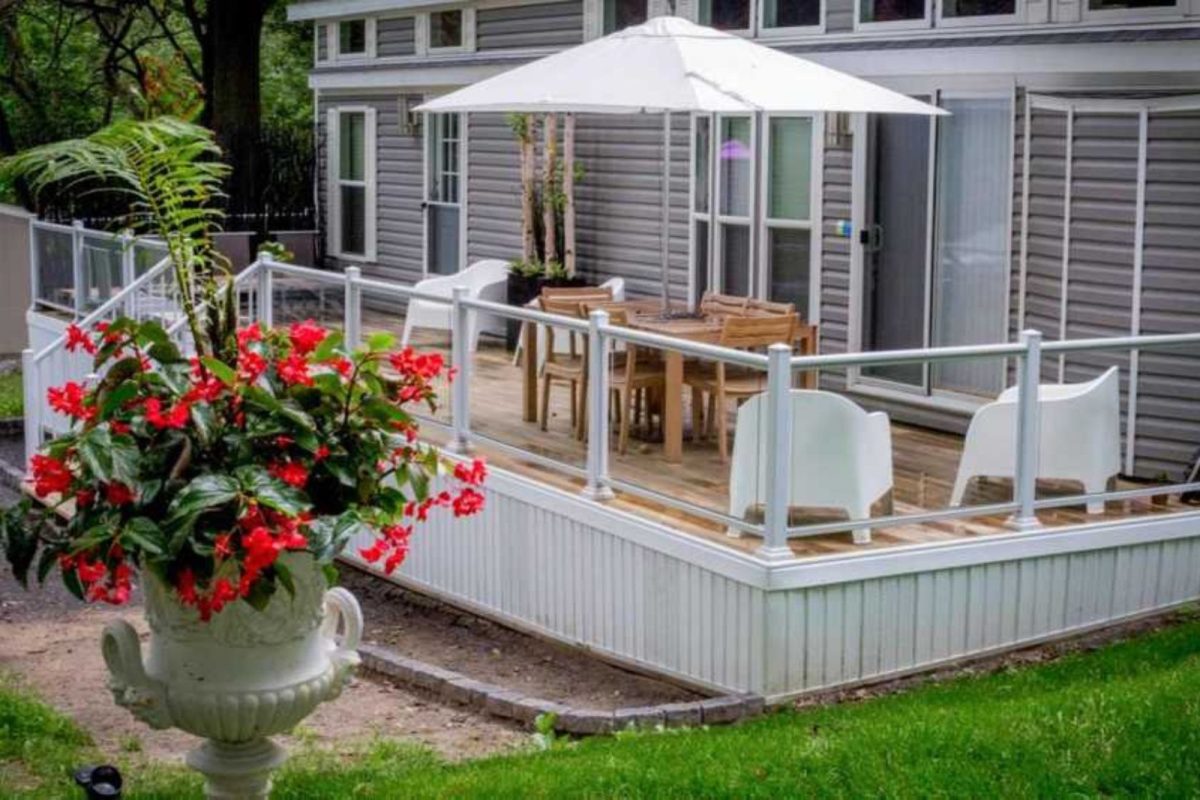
(617, 285)
(841, 456)
(1079, 436)
(484, 280)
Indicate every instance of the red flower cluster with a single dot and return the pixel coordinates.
(70, 399)
(473, 474)
(392, 543)
(175, 417)
(293, 370)
(50, 476)
(77, 339)
(105, 583)
(292, 473)
(411, 364)
(306, 336)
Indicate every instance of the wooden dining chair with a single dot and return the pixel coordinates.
(756, 306)
(636, 372)
(722, 383)
(715, 304)
(567, 366)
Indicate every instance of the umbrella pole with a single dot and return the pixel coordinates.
(665, 234)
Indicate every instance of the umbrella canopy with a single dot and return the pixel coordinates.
(671, 64)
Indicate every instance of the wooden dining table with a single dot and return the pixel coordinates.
(649, 316)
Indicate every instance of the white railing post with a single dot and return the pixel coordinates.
(779, 453)
(128, 271)
(77, 268)
(1028, 416)
(460, 359)
(33, 404)
(597, 487)
(266, 291)
(353, 310)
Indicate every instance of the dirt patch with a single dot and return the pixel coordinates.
(53, 642)
(420, 628)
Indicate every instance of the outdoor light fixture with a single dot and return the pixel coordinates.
(410, 118)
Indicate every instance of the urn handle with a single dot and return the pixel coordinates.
(343, 619)
(132, 688)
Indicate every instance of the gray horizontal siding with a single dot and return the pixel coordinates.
(1168, 424)
(540, 25)
(493, 189)
(836, 198)
(395, 36)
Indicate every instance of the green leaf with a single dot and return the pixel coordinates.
(20, 541)
(328, 347)
(225, 373)
(47, 562)
(71, 581)
(270, 491)
(95, 452)
(145, 535)
(284, 575)
(381, 340)
(165, 353)
(260, 594)
(203, 493)
(331, 574)
(150, 332)
(206, 422)
(113, 400)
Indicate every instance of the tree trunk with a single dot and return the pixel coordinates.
(528, 240)
(569, 194)
(233, 106)
(549, 156)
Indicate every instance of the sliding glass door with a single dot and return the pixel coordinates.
(736, 155)
(935, 241)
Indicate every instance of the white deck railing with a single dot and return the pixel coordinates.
(781, 366)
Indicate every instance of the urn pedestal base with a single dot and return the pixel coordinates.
(237, 771)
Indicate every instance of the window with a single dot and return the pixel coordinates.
(446, 29)
(978, 8)
(788, 212)
(891, 10)
(352, 182)
(735, 188)
(725, 15)
(352, 37)
(1128, 5)
(620, 14)
(791, 13)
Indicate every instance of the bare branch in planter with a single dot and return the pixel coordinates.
(568, 189)
(549, 159)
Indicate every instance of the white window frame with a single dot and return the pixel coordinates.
(422, 32)
(333, 41)
(320, 31)
(1017, 16)
(763, 32)
(463, 150)
(812, 224)
(334, 181)
(892, 25)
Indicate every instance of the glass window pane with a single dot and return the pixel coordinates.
(978, 8)
(791, 13)
(788, 261)
(735, 157)
(443, 239)
(351, 143)
(700, 265)
(619, 14)
(354, 219)
(1103, 5)
(703, 159)
(970, 303)
(352, 36)
(790, 168)
(892, 10)
(445, 28)
(735, 259)
(725, 15)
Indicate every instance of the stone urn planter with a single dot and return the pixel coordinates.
(239, 678)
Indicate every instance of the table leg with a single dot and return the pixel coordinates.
(673, 408)
(529, 385)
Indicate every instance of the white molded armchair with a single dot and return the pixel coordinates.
(1079, 436)
(841, 456)
(484, 280)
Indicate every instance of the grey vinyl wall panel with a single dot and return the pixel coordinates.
(493, 189)
(529, 26)
(839, 16)
(1044, 238)
(1168, 423)
(395, 36)
(848, 632)
(399, 223)
(836, 196)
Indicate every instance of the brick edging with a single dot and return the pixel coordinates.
(508, 704)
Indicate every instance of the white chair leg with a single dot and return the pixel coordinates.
(861, 535)
(960, 487)
(1094, 486)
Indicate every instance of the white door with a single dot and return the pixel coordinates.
(444, 158)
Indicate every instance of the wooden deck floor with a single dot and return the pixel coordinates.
(924, 462)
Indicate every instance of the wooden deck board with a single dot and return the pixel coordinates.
(924, 462)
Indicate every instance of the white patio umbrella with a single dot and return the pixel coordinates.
(671, 65)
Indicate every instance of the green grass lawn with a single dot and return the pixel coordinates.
(1121, 721)
(12, 395)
